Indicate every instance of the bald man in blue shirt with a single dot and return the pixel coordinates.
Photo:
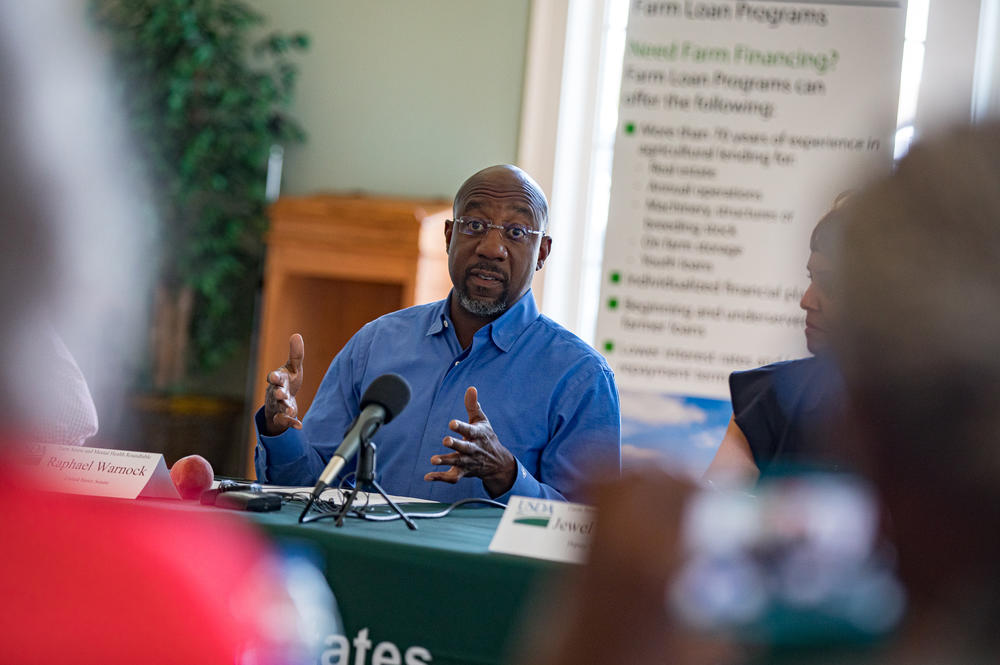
(552, 401)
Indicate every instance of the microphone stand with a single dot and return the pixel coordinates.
(364, 479)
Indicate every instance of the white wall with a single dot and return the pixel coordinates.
(403, 98)
(946, 85)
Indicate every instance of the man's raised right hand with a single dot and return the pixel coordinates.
(280, 409)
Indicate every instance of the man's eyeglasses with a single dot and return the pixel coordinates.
(516, 233)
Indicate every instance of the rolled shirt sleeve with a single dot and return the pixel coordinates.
(284, 459)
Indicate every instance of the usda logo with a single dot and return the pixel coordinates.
(533, 513)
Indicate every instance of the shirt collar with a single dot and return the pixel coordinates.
(439, 317)
(504, 331)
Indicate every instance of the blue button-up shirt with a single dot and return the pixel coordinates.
(550, 398)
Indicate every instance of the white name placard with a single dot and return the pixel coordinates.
(123, 474)
(544, 529)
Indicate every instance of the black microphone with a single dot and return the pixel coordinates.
(385, 398)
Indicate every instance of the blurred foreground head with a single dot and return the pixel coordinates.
(75, 259)
(920, 351)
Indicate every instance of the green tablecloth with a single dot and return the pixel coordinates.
(437, 587)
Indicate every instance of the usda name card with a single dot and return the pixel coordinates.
(123, 474)
(543, 529)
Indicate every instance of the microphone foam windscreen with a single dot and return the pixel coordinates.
(390, 391)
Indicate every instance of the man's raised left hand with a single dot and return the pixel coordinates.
(478, 454)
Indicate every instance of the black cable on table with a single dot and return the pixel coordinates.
(362, 514)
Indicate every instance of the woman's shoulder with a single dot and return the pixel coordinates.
(784, 371)
(768, 405)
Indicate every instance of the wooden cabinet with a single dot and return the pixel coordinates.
(335, 263)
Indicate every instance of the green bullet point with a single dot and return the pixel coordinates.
(613, 303)
(616, 277)
(609, 346)
(629, 127)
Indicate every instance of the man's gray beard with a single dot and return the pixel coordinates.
(483, 309)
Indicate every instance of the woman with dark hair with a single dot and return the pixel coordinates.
(782, 412)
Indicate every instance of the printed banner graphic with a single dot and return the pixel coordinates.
(740, 123)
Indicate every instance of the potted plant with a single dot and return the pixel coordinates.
(206, 92)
